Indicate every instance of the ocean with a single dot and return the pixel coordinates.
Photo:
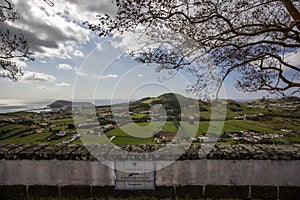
(15, 105)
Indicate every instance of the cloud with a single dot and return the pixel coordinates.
(109, 76)
(83, 73)
(293, 58)
(141, 75)
(64, 66)
(50, 28)
(89, 9)
(36, 76)
(60, 52)
(78, 53)
(63, 84)
(44, 88)
(79, 73)
(127, 41)
(49, 31)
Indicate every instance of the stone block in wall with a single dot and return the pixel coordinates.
(191, 191)
(65, 153)
(43, 191)
(289, 192)
(12, 191)
(48, 153)
(73, 191)
(8, 148)
(109, 191)
(264, 192)
(80, 154)
(29, 153)
(226, 191)
(164, 192)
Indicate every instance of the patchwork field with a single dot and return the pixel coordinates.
(260, 118)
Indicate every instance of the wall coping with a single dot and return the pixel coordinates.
(218, 152)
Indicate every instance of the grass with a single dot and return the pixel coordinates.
(62, 121)
(137, 133)
(91, 140)
(138, 116)
(149, 101)
(11, 130)
(8, 127)
(147, 129)
(129, 133)
(198, 128)
(19, 134)
(141, 133)
(246, 125)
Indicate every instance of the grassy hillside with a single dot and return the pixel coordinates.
(268, 116)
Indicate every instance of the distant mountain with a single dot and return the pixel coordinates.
(68, 104)
(280, 100)
(290, 99)
(173, 101)
(60, 104)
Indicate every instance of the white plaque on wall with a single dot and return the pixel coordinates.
(135, 175)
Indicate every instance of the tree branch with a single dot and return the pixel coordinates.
(293, 11)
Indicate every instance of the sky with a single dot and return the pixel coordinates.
(71, 62)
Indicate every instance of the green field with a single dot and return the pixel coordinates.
(13, 133)
(146, 132)
(138, 133)
(189, 129)
(270, 116)
(138, 116)
(230, 126)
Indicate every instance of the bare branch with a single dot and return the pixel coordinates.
(13, 47)
(248, 37)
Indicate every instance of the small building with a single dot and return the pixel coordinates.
(158, 140)
(40, 130)
(43, 124)
(61, 133)
(165, 136)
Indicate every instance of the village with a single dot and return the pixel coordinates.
(55, 124)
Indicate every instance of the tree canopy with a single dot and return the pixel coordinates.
(13, 46)
(254, 41)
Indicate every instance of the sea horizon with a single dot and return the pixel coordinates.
(17, 105)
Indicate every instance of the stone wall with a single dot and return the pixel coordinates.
(218, 152)
(228, 171)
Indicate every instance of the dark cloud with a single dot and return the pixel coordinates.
(100, 6)
(56, 27)
(34, 42)
(45, 28)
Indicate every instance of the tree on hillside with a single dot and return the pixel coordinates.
(256, 41)
(12, 46)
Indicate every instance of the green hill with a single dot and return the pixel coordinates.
(60, 104)
(68, 104)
